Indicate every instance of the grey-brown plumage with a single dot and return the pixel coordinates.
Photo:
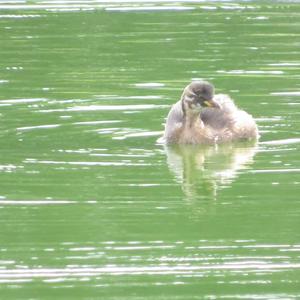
(200, 117)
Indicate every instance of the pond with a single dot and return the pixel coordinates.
(91, 206)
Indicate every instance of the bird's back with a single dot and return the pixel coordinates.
(230, 118)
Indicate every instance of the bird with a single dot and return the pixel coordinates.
(201, 117)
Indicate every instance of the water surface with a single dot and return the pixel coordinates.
(91, 206)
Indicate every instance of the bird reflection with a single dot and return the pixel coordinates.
(203, 171)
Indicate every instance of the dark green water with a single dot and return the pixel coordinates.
(91, 207)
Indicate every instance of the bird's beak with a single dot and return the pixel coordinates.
(212, 103)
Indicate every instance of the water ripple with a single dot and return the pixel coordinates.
(136, 258)
(150, 270)
(124, 5)
(35, 202)
(149, 8)
(107, 108)
(86, 163)
(27, 128)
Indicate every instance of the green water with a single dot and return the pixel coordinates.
(91, 207)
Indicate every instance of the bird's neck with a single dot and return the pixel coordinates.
(192, 119)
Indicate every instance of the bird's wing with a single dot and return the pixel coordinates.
(223, 118)
(217, 118)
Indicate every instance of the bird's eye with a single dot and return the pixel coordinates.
(202, 99)
(188, 99)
